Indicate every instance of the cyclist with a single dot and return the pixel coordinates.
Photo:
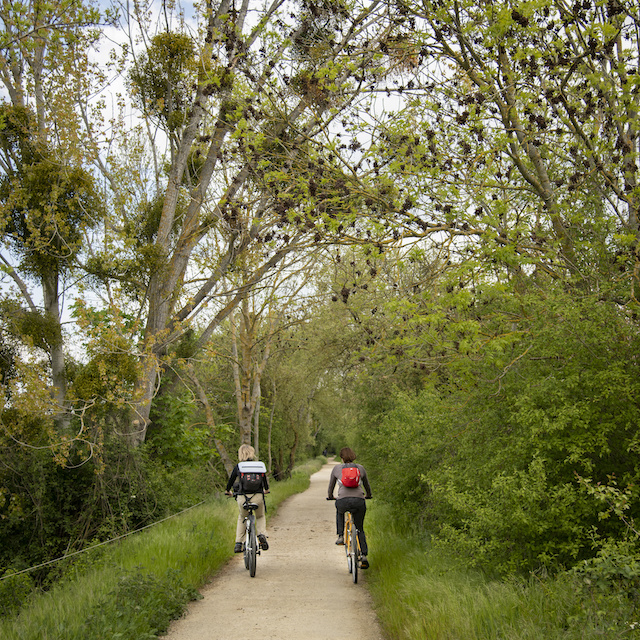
(351, 499)
(247, 453)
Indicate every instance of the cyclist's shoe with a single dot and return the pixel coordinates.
(364, 563)
(238, 548)
(340, 540)
(264, 545)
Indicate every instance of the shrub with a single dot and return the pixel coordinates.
(14, 592)
(488, 455)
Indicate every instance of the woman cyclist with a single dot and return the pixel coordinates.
(351, 498)
(245, 453)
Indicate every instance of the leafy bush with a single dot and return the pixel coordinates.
(609, 582)
(400, 445)
(488, 455)
(52, 509)
(14, 592)
(173, 439)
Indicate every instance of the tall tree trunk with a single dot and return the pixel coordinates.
(256, 422)
(145, 392)
(241, 383)
(293, 450)
(56, 350)
(219, 445)
(248, 374)
(273, 411)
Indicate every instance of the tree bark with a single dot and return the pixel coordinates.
(56, 349)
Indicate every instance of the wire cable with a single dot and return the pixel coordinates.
(100, 544)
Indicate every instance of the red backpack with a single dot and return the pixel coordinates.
(350, 476)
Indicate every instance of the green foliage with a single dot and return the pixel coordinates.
(17, 124)
(100, 384)
(487, 457)
(49, 208)
(47, 509)
(45, 203)
(140, 607)
(144, 227)
(14, 592)
(22, 326)
(173, 438)
(103, 374)
(421, 591)
(400, 444)
(616, 566)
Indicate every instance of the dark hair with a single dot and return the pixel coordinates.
(347, 454)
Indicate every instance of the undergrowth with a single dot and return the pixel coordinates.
(422, 592)
(132, 589)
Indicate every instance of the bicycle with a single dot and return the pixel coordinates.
(251, 550)
(352, 546)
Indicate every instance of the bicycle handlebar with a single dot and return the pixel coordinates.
(232, 494)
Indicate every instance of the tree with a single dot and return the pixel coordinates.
(47, 198)
(252, 162)
(46, 209)
(526, 139)
(265, 314)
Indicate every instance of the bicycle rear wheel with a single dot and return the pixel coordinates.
(354, 554)
(348, 533)
(247, 547)
(253, 545)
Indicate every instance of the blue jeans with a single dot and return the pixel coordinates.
(358, 508)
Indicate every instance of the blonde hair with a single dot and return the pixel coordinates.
(246, 452)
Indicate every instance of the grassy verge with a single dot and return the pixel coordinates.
(134, 588)
(420, 592)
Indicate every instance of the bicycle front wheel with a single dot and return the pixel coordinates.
(253, 545)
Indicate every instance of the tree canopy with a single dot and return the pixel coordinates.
(411, 227)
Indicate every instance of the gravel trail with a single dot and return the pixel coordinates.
(301, 590)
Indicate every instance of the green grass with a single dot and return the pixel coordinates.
(131, 590)
(421, 592)
(134, 588)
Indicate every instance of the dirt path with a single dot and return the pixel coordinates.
(301, 590)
